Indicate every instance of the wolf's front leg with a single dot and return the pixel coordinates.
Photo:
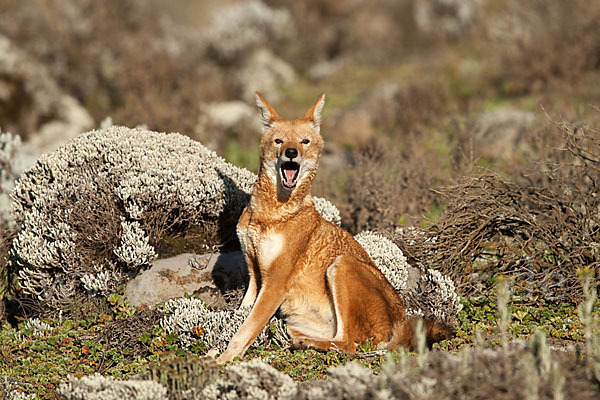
(252, 290)
(268, 301)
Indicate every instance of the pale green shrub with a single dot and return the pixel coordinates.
(91, 213)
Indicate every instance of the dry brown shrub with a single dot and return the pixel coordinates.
(421, 104)
(538, 44)
(6, 236)
(517, 371)
(126, 333)
(537, 229)
(96, 218)
(380, 185)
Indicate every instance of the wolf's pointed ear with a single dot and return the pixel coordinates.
(268, 115)
(314, 113)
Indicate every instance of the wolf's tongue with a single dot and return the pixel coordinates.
(289, 175)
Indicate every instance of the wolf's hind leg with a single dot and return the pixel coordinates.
(366, 305)
(341, 280)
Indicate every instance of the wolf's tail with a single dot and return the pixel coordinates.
(405, 333)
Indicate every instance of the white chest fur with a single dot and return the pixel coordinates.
(269, 247)
(243, 237)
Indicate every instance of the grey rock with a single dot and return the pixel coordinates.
(450, 17)
(358, 124)
(324, 69)
(219, 120)
(226, 115)
(263, 71)
(413, 280)
(500, 133)
(239, 28)
(206, 275)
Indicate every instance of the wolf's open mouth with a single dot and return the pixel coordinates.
(289, 174)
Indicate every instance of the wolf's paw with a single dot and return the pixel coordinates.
(225, 357)
(212, 353)
(298, 344)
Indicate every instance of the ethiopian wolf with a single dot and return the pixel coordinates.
(329, 291)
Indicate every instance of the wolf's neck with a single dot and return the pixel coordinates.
(268, 197)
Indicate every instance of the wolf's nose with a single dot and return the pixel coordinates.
(291, 153)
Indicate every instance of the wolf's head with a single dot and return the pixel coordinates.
(290, 149)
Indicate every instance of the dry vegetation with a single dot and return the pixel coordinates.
(465, 131)
(538, 228)
(539, 50)
(117, 58)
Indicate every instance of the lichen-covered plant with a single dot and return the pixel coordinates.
(33, 327)
(364, 385)
(431, 295)
(327, 210)
(254, 380)
(97, 206)
(98, 387)
(11, 390)
(134, 248)
(387, 256)
(191, 320)
(92, 213)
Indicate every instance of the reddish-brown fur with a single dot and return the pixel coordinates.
(324, 283)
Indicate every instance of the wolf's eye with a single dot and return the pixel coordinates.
(278, 141)
(305, 141)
